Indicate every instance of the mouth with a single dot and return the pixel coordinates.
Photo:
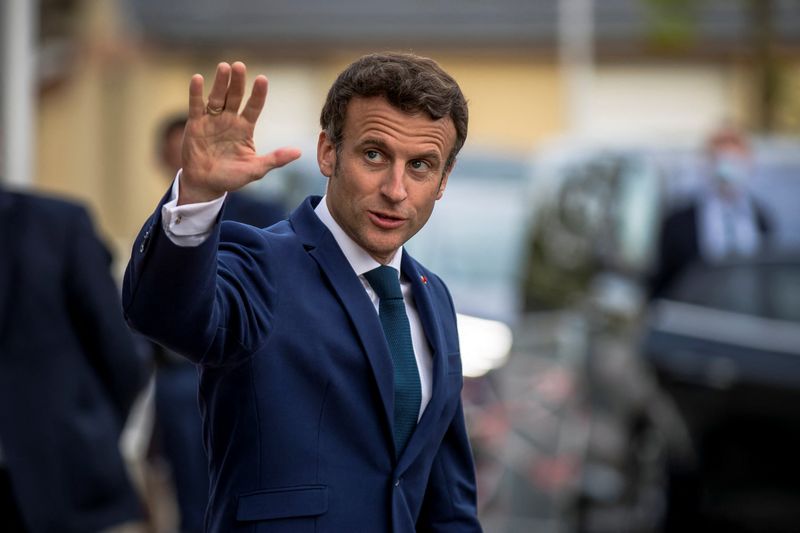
(385, 220)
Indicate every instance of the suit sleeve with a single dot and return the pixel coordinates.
(94, 307)
(210, 303)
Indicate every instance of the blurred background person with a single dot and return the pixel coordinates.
(722, 222)
(69, 373)
(177, 434)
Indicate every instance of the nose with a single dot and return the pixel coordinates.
(394, 185)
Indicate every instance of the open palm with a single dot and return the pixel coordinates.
(218, 153)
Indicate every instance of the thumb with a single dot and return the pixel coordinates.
(278, 158)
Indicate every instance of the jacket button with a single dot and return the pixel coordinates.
(397, 482)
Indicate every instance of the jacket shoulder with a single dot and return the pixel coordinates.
(47, 205)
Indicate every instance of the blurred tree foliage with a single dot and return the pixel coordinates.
(673, 27)
(769, 72)
(574, 236)
(672, 24)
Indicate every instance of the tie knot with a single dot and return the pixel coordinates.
(385, 281)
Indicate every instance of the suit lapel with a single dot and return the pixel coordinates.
(350, 292)
(433, 331)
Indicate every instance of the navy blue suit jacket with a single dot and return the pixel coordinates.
(296, 381)
(69, 371)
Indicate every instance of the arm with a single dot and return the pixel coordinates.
(183, 296)
(450, 498)
(211, 302)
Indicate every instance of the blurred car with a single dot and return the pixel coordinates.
(725, 344)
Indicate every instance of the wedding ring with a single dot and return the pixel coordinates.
(214, 110)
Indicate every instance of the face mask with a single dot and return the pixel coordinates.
(731, 170)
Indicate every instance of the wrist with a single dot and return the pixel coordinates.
(189, 193)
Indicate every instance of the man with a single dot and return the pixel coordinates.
(723, 222)
(178, 424)
(69, 373)
(330, 389)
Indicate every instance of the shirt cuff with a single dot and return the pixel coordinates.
(189, 225)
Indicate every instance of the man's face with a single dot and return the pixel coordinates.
(388, 174)
(731, 165)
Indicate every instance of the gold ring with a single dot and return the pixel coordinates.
(214, 110)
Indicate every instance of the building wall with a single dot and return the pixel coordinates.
(663, 100)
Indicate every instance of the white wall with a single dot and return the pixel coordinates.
(655, 101)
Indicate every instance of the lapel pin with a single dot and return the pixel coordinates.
(424, 280)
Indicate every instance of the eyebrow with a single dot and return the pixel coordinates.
(378, 143)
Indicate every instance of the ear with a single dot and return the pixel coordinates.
(326, 155)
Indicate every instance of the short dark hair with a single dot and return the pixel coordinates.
(411, 83)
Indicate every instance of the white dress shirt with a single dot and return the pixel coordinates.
(727, 227)
(191, 224)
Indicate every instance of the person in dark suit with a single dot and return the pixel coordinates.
(722, 222)
(69, 373)
(330, 368)
(178, 428)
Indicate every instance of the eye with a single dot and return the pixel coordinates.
(372, 155)
(420, 165)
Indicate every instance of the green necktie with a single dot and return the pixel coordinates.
(385, 281)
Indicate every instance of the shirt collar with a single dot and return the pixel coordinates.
(358, 258)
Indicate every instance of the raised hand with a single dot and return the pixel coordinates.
(218, 153)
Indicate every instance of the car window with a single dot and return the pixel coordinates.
(785, 289)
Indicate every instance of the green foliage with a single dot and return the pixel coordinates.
(671, 24)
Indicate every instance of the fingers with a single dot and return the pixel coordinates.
(278, 158)
(216, 98)
(227, 93)
(196, 105)
(236, 87)
(256, 101)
